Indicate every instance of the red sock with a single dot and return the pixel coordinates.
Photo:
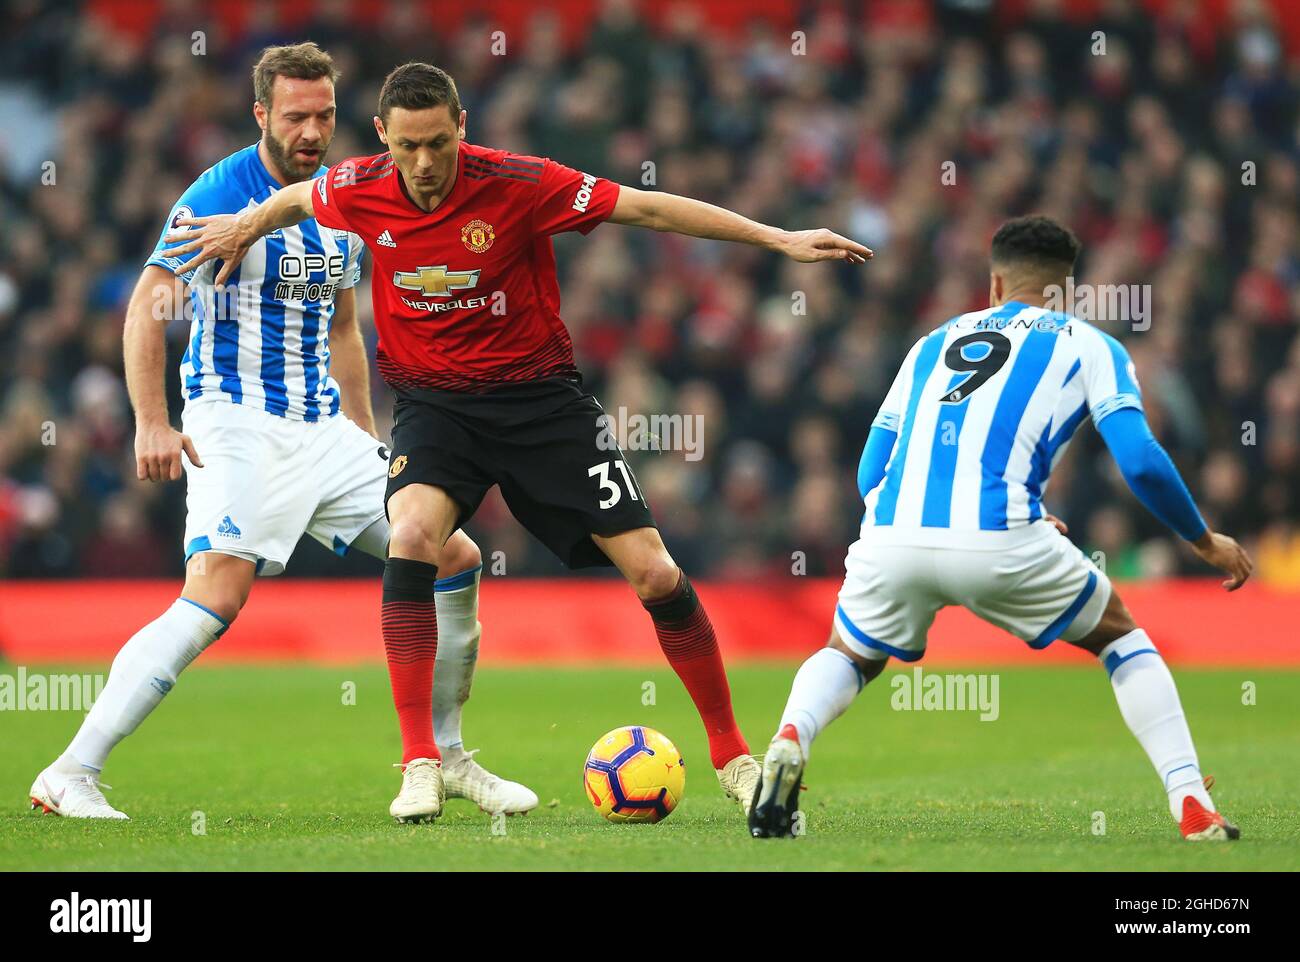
(688, 641)
(410, 621)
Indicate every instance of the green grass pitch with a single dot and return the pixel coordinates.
(286, 776)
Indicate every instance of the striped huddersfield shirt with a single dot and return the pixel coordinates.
(265, 341)
(983, 408)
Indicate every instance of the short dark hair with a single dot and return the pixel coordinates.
(301, 61)
(1037, 243)
(418, 86)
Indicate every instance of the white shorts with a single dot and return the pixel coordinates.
(267, 480)
(1036, 585)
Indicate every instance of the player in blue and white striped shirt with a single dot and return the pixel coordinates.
(975, 456)
(952, 477)
(275, 356)
(280, 440)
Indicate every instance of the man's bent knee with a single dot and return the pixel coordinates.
(421, 517)
(656, 578)
(413, 538)
(640, 555)
(1116, 622)
(219, 582)
(460, 553)
(868, 668)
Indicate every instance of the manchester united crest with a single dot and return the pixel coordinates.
(399, 462)
(477, 235)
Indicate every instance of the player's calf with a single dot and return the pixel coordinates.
(1149, 703)
(823, 689)
(688, 641)
(410, 627)
(825, 686)
(459, 632)
(143, 673)
(422, 518)
(145, 670)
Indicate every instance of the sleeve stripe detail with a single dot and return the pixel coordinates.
(1116, 402)
(473, 174)
(514, 163)
(475, 170)
(382, 161)
(377, 175)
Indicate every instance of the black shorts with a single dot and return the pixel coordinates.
(562, 476)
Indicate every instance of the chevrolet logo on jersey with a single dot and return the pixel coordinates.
(435, 281)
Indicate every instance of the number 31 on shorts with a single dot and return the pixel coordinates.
(609, 486)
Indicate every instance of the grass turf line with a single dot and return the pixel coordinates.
(281, 774)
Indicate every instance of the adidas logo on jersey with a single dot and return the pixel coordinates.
(385, 240)
(227, 528)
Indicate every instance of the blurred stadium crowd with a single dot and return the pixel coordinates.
(1175, 155)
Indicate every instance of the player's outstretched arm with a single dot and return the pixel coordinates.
(229, 236)
(684, 215)
(1151, 475)
(158, 298)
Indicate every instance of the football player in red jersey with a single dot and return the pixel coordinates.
(466, 304)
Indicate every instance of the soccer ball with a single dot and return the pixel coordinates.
(634, 774)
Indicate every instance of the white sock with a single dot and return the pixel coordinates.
(823, 689)
(143, 672)
(456, 600)
(1148, 700)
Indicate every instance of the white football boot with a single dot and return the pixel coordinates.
(777, 801)
(739, 778)
(420, 799)
(466, 778)
(73, 796)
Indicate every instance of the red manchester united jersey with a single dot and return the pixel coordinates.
(466, 295)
